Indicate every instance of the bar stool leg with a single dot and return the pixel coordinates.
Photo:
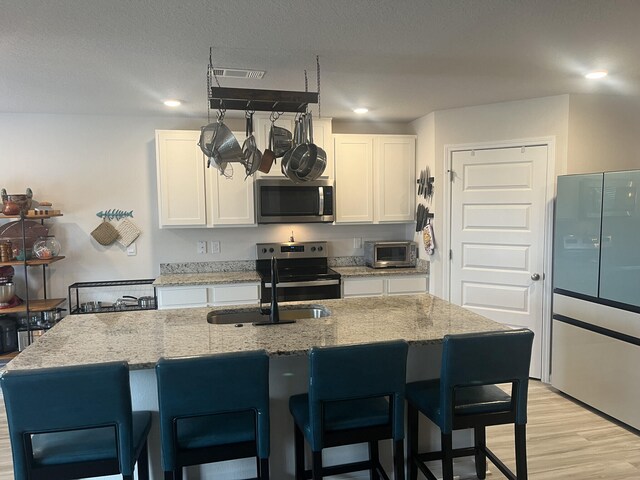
(521, 451)
(298, 441)
(374, 458)
(447, 456)
(143, 463)
(398, 460)
(480, 439)
(316, 465)
(263, 468)
(412, 441)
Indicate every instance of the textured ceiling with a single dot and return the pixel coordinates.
(402, 59)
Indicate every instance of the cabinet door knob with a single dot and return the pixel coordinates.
(535, 277)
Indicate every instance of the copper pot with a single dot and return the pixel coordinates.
(16, 203)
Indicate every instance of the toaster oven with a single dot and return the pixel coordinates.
(390, 254)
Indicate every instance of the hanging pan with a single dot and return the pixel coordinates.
(251, 156)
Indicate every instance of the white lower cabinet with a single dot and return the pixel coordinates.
(208, 295)
(173, 297)
(192, 195)
(375, 286)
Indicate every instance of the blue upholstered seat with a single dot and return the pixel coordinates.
(356, 395)
(467, 396)
(75, 422)
(214, 408)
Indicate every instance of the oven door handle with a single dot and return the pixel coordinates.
(311, 283)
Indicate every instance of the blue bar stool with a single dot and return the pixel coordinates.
(75, 422)
(466, 396)
(356, 395)
(214, 408)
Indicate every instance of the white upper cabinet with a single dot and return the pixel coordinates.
(192, 195)
(322, 137)
(354, 178)
(181, 179)
(394, 178)
(375, 178)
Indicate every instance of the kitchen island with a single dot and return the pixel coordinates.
(142, 337)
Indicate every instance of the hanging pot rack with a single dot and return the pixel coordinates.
(225, 98)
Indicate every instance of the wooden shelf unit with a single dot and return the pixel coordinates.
(32, 217)
(35, 306)
(34, 261)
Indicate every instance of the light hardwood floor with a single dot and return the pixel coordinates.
(565, 440)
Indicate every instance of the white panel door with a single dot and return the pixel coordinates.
(354, 178)
(497, 236)
(181, 182)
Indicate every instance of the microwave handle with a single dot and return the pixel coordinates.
(321, 202)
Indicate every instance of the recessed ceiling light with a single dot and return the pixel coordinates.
(172, 103)
(361, 110)
(596, 74)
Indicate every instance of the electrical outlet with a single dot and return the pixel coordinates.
(132, 250)
(357, 242)
(215, 246)
(202, 246)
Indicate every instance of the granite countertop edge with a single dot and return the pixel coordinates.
(221, 278)
(141, 338)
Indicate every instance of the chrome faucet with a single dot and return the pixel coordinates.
(274, 313)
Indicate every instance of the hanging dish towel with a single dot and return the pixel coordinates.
(128, 232)
(105, 233)
(427, 237)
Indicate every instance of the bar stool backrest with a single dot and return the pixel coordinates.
(68, 398)
(357, 371)
(485, 359)
(223, 383)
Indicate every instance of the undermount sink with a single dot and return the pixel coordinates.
(251, 316)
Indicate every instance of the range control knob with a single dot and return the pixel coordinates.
(264, 250)
(271, 250)
(313, 249)
(319, 249)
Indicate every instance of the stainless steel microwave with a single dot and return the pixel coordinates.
(282, 201)
(390, 254)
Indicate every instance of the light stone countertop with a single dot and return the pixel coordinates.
(212, 278)
(363, 271)
(142, 337)
(219, 278)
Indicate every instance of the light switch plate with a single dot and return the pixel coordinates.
(215, 246)
(202, 246)
(357, 242)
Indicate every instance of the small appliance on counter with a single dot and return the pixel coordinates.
(303, 273)
(379, 254)
(112, 296)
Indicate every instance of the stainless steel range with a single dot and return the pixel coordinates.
(303, 273)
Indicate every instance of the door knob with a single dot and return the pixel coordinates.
(535, 276)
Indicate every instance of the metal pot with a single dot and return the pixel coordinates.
(7, 292)
(143, 302)
(313, 163)
(147, 302)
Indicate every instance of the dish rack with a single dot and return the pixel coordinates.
(102, 296)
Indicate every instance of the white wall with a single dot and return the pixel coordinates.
(424, 129)
(541, 117)
(85, 164)
(603, 133)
